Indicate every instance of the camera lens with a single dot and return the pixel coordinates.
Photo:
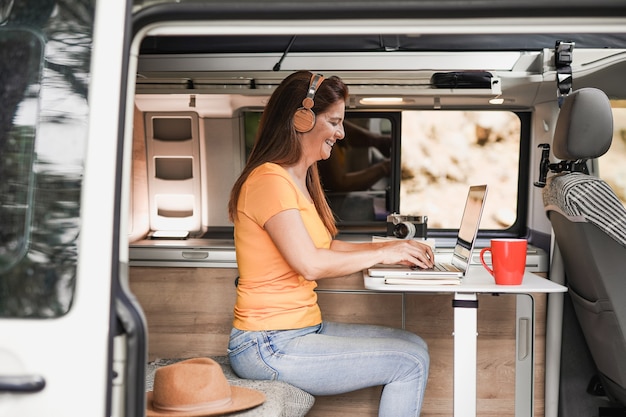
(404, 230)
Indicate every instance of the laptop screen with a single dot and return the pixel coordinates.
(470, 222)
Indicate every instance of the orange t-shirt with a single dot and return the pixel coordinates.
(270, 294)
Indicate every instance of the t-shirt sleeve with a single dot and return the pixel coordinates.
(267, 195)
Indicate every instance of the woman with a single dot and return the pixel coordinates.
(284, 242)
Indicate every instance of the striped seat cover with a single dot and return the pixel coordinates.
(587, 197)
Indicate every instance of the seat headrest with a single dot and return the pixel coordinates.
(584, 128)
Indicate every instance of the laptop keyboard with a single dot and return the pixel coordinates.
(440, 266)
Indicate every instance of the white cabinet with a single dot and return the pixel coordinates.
(174, 181)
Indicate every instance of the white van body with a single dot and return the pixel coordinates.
(85, 352)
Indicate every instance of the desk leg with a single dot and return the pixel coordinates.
(465, 331)
(525, 356)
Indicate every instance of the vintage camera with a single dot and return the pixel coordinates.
(407, 227)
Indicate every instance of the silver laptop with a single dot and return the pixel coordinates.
(468, 230)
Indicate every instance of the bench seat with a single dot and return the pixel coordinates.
(281, 399)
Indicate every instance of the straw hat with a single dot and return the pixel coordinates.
(197, 387)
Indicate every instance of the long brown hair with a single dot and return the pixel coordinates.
(277, 140)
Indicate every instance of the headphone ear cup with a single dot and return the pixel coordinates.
(304, 120)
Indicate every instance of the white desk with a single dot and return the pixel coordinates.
(465, 304)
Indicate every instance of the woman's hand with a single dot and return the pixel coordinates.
(408, 252)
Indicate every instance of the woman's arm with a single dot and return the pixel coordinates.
(343, 258)
(341, 245)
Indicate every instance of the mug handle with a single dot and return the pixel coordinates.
(482, 260)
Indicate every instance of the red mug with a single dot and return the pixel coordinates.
(508, 258)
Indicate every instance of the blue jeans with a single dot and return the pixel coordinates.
(334, 358)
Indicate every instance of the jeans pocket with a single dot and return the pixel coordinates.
(247, 362)
(238, 339)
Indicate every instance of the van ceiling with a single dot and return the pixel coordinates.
(170, 61)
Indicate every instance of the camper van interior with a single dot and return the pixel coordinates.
(124, 126)
(433, 110)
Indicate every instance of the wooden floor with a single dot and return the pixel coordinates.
(189, 313)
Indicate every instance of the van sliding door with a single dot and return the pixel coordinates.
(64, 314)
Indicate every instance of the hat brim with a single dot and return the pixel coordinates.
(242, 399)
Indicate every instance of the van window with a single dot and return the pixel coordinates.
(20, 63)
(611, 165)
(43, 130)
(357, 177)
(444, 152)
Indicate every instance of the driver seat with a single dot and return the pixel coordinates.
(589, 224)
